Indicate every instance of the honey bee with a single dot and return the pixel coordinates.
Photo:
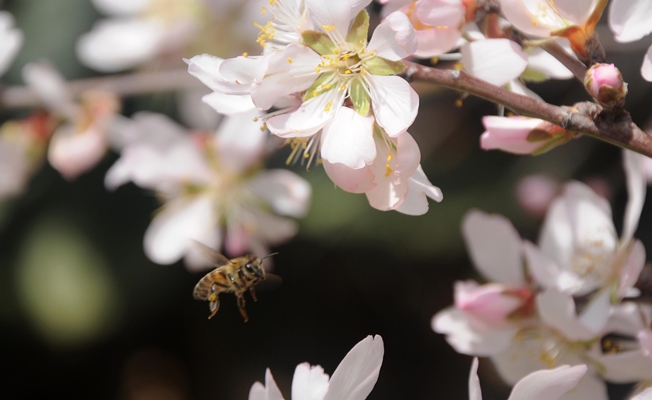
(237, 276)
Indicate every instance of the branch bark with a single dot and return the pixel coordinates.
(585, 118)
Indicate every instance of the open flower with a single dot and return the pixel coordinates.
(11, 40)
(630, 21)
(353, 379)
(213, 189)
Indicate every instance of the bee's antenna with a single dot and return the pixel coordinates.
(269, 255)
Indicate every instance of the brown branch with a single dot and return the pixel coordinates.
(585, 118)
(573, 64)
(122, 85)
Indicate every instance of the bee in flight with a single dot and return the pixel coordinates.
(236, 276)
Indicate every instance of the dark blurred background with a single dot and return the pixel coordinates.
(84, 314)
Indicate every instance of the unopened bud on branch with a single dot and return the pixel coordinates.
(605, 83)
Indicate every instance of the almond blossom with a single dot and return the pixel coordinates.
(213, 190)
(522, 135)
(539, 385)
(353, 379)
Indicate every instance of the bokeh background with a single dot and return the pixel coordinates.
(84, 314)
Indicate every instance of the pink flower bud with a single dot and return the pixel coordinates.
(488, 305)
(521, 135)
(605, 83)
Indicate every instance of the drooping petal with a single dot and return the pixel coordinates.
(348, 139)
(497, 61)
(118, 44)
(509, 134)
(462, 336)
(494, 247)
(206, 68)
(636, 190)
(176, 226)
(475, 393)
(350, 180)
(394, 39)
(286, 192)
(394, 101)
(548, 384)
(357, 374)
(630, 19)
(309, 383)
(419, 189)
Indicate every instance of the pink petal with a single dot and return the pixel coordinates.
(529, 17)
(350, 180)
(433, 42)
(72, 153)
(419, 189)
(441, 13)
(348, 139)
(509, 134)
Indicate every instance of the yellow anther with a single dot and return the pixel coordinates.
(263, 10)
(346, 57)
(328, 107)
(342, 87)
(373, 53)
(336, 51)
(458, 66)
(290, 60)
(348, 72)
(459, 103)
(434, 60)
(328, 28)
(315, 93)
(388, 165)
(361, 41)
(363, 71)
(318, 70)
(245, 54)
(272, 2)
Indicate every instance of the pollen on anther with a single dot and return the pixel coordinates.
(263, 10)
(290, 60)
(245, 54)
(318, 70)
(348, 72)
(328, 28)
(328, 107)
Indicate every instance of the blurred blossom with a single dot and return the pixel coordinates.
(22, 150)
(539, 385)
(82, 139)
(353, 379)
(11, 40)
(534, 193)
(212, 187)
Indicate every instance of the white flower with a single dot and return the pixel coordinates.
(353, 379)
(579, 248)
(214, 193)
(539, 385)
(630, 21)
(11, 40)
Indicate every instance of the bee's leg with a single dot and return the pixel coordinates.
(241, 306)
(213, 305)
(253, 293)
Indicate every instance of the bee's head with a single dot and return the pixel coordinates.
(254, 267)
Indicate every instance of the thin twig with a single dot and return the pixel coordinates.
(585, 118)
(122, 85)
(573, 64)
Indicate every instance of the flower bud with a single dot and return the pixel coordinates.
(521, 135)
(488, 305)
(605, 83)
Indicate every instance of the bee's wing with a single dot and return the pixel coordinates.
(216, 257)
(271, 282)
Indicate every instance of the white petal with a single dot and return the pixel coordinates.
(350, 180)
(645, 395)
(475, 393)
(230, 104)
(532, 17)
(548, 385)
(545, 271)
(336, 14)
(625, 367)
(395, 38)
(494, 247)
(517, 86)
(542, 61)
(309, 118)
(309, 383)
(206, 68)
(575, 11)
(394, 102)
(72, 153)
(646, 68)
(51, 87)
(497, 61)
(419, 189)
(286, 192)
(348, 139)
(291, 70)
(357, 374)
(630, 19)
(441, 13)
(179, 223)
(240, 141)
(557, 310)
(121, 7)
(636, 191)
(270, 230)
(632, 270)
(466, 339)
(433, 42)
(119, 44)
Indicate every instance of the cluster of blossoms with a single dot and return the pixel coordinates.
(568, 300)
(335, 95)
